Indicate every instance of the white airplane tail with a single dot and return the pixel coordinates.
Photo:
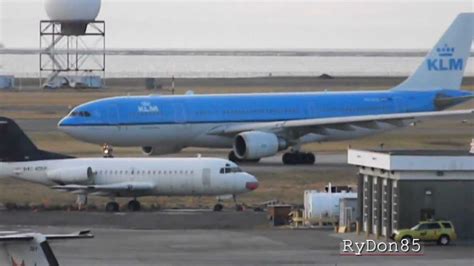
(444, 65)
(23, 249)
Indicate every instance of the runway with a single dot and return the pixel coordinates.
(185, 238)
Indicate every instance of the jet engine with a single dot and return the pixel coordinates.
(150, 151)
(76, 175)
(256, 144)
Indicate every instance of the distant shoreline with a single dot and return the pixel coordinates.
(223, 52)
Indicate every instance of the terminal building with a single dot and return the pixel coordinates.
(397, 189)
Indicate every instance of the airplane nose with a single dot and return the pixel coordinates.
(252, 183)
(62, 122)
(64, 126)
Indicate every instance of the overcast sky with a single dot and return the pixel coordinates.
(251, 24)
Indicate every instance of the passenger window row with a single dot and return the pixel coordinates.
(143, 172)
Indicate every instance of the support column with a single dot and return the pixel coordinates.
(387, 207)
(367, 208)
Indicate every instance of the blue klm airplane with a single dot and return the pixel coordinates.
(261, 124)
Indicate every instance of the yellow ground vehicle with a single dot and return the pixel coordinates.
(440, 231)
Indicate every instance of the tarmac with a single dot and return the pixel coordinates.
(201, 237)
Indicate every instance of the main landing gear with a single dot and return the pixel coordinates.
(133, 205)
(298, 158)
(232, 157)
(112, 207)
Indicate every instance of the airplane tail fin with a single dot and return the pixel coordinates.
(27, 249)
(16, 146)
(444, 66)
(32, 248)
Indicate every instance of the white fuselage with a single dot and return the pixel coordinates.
(167, 176)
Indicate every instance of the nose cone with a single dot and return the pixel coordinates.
(251, 183)
(70, 126)
(62, 123)
(65, 125)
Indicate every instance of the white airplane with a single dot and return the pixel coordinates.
(32, 249)
(119, 177)
(259, 125)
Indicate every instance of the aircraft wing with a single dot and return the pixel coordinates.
(368, 121)
(108, 188)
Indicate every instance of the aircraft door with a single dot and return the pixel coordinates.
(398, 104)
(113, 115)
(311, 110)
(181, 120)
(179, 113)
(206, 177)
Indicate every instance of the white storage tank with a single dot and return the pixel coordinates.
(323, 205)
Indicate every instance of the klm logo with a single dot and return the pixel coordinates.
(147, 107)
(445, 60)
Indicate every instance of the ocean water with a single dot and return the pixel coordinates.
(27, 65)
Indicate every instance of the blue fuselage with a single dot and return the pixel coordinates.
(186, 119)
(240, 108)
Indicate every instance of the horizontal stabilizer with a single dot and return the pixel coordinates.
(75, 235)
(30, 236)
(446, 102)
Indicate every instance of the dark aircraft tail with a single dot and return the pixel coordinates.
(15, 146)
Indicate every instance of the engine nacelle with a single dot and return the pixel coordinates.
(257, 144)
(76, 175)
(150, 151)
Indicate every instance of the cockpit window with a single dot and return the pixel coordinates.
(228, 169)
(80, 114)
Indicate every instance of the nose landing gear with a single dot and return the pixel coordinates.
(218, 207)
(298, 158)
(238, 207)
(107, 151)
